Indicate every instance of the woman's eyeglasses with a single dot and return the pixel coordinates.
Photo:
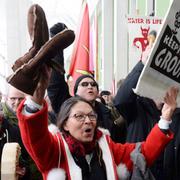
(85, 84)
(82, 117)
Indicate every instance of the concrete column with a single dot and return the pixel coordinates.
(3, 47)
(17, 34)
(107, 44)
(121, 60)
(133, 8)
(150, 7)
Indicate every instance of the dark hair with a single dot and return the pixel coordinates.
(154, 33)
(66, 109)
(102, 93)
(79, 79)
(56, 28)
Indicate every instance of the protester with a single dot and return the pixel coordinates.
(106, 95)
(81, 150)
(85, 86)
(135, 108)
(142, 114)
(117, 119)
(9, 132)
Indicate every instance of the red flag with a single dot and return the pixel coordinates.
(80, 58)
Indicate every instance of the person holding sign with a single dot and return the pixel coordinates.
(142, 114)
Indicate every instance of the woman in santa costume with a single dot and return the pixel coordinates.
(80, 150)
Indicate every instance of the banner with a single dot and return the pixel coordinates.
(80, 58)
(162, 69)
(138, 29)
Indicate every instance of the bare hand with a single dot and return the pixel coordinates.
(169, 103)
(146, 54)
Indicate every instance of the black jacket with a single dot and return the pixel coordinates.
(141, 115)
(172, 151)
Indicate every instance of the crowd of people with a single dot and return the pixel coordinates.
(91, 135)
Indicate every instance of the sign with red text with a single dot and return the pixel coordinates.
(162, 69)
(138, 30)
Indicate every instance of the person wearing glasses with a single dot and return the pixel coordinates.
(80, 150)
(9, 129)
(85, 86)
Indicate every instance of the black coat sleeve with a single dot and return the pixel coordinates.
(125, 99)
(58, 90)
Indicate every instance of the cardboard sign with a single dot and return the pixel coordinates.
(138, 29)
(162, 69)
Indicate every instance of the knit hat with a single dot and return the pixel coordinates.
(56, 28)
(79, 79)
(105, 93)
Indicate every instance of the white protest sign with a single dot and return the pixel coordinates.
(138, 29)
(163, 67)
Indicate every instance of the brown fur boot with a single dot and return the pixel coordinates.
(38, 31)
(27, 76)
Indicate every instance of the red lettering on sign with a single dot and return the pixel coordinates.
(135, 20)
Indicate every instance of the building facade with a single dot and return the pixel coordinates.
(109, 24)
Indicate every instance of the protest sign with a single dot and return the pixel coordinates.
(139, 28)
(162, 69)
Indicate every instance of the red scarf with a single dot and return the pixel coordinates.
(78, 148)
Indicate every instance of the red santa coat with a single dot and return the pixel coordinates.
(51, 151)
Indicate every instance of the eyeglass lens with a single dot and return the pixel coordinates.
(82, 117)
(85, 84)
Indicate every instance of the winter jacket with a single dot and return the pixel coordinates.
(51, 151)
(172, 151)
(141, 114)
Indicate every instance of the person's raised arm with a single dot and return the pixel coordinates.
(58, 90)
(167, 111)
(125, 96)
(159, 136)
(33, 120)
(125, 92)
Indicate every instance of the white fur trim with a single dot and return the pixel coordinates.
(56, 174)
(123, 172)
(53, 129)
(104, 131)
(107, 157)
(74, 169)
